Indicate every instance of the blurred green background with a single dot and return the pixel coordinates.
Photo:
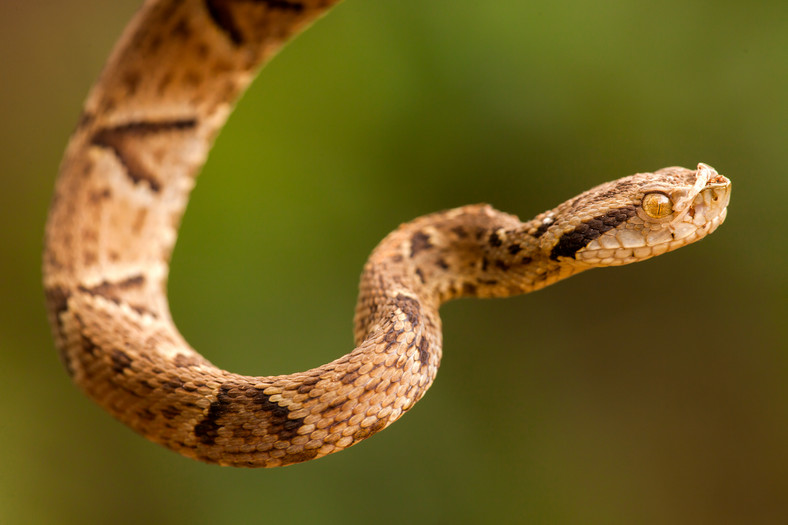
(651, 394)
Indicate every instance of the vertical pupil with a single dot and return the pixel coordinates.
(657, 205)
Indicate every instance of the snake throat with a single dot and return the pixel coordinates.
(124, 182)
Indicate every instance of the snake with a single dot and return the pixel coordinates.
(123, 185)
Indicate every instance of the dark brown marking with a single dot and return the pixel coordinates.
(419, 242)
(154, 43)
(308, 384)
(182, 29)
(146, 414)
(107, 289)
(442, 264)
(572, 241)
(128, 390)
(85, 120)
(364, 433)
(421, 275)
(304, 455)
(57, 301)
(410, 307)
(223, 18)
(116, 139)
(526, 260)
(350, 377)
(145, 383)
(391, 338)
(278, 423)
(172, 384)
(460, 232)
(99, 195)
(88, 346)
(282, 5)
(185, 361)
(170, 412)
(542, 229)
(495, 239)
(514, 249)
(131, 79)
(207, 430)
(120, 360)
(501, 265)
(141, 310)
(468, 289)
(203, 50)
(423, 346)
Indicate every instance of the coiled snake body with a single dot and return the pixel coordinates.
(124, 182)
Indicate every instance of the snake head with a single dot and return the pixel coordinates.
(643, 215)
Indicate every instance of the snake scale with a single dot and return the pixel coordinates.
(124, 182)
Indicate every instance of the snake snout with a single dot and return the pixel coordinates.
(709, 207)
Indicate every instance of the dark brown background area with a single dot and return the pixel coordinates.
(651, 394)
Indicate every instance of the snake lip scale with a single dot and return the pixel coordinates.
(146, 129)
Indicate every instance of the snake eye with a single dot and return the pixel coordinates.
(657, 205)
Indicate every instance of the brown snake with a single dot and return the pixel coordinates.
(124, 182)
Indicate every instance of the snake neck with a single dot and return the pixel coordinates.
(472, 251)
